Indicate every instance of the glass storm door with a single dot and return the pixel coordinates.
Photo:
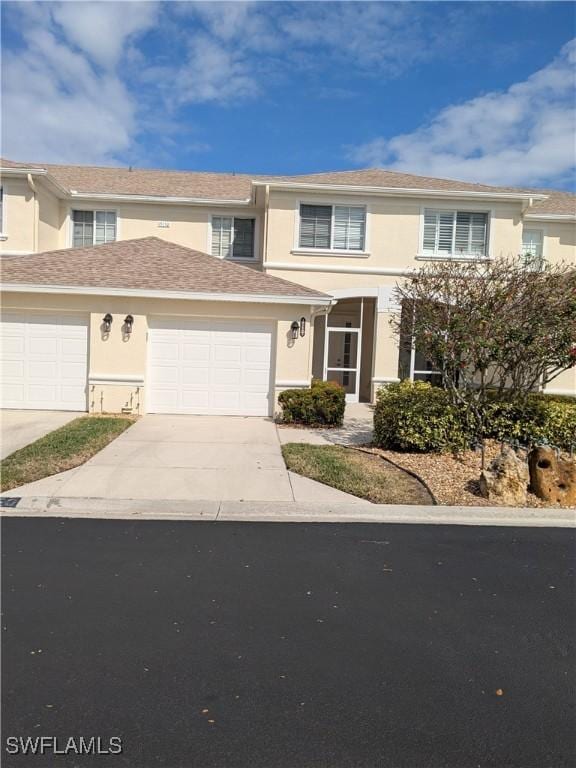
(341, 359)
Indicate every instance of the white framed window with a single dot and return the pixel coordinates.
(533, 249)
(1, 210)
(332, 227)
(455, 233)
(233, 237)
(93, 227)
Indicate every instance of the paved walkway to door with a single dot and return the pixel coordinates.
(224, 458)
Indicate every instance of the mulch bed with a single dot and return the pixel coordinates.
(453, 479)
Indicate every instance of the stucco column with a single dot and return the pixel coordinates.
(386, 347)
(117, 366)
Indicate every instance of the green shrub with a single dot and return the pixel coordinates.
(415, 416)
(321, 404)
(540, 419)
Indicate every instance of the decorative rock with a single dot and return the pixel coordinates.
(506, 479)
(552, 478)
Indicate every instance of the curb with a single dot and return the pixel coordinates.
(286, 512)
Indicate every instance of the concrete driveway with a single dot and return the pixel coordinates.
(19, 428)
(181, 457)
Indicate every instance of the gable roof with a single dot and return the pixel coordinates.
(151, 266)
(237, 188)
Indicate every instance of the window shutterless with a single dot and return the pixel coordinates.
(532, 249)
(233, 237)
(455, 233)
(332, 227)
(93, 228)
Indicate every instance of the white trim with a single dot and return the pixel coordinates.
(537, 227)
(115, 378)
(288, 265)
(423, 255)
(93, 209)
(385, 379)
(158, 294)
(155, 199)
(361, 292)
(223, 214)
(550, 216)
(452, 257)
(570, 392)
(335, 252)
(3, 237)
(297, 250)
(404, 191)
(15, 253)
(296, 384)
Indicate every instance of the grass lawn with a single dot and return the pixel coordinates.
(65, 448)
(354, 472)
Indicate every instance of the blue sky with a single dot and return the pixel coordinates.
(478, 91)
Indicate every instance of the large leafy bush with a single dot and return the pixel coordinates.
(321, 404)
(414, 416)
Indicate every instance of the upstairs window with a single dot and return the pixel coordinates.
(93, 228)
(332, 227)
(233, 237)
(532, 251)
(455, 233)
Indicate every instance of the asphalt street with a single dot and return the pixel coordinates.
(255, 645)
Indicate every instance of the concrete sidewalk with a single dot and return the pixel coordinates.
(20, 428)
(282, 512)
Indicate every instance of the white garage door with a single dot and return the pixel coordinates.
(209, 366)
(43, 361)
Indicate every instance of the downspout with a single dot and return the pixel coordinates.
(36, 212)
(265, 246)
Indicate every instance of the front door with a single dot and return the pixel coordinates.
(341, 360)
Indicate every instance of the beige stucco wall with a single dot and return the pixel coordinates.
(19, 224)
(563, 384)
(49, 219)
(392, 232)
(559, 240)
(114, 355)
(188, 225)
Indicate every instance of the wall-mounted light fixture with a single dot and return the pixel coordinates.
(107, 322)
(128, 323)
(294, 329)
(302, 327)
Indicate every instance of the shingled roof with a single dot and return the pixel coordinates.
(148, 264)
(201, 185)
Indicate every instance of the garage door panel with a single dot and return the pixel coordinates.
(226, 377)
(12, 369)
(196, 352)
(12, 345)
(45, 361)
(164, 374)
(43, 369)
(195, 377)
(195, 399)
(214, 366)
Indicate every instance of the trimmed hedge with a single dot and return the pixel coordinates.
(415, 416)
(321, 404)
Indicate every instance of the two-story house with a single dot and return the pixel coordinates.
(187, 292)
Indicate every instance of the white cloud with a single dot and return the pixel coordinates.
(57, 106)
(522, 136)
(102, 30)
